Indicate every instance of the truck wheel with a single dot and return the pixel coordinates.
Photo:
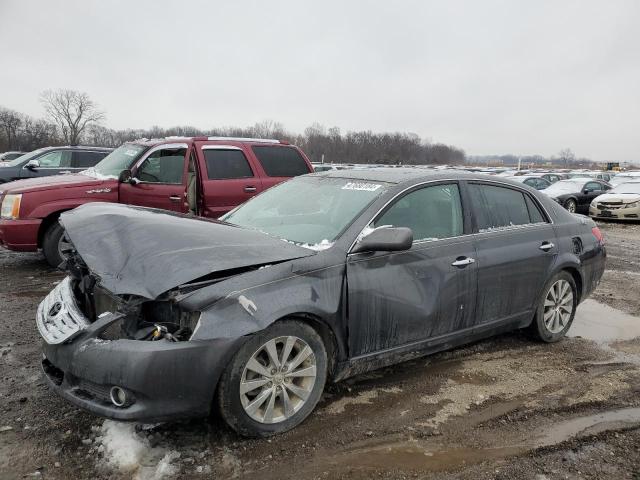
(55, 245)
(274, 381)
(556, 309)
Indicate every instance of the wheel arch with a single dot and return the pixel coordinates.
(46, 223)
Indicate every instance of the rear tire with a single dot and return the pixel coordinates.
(571, 205)
(54, 245)
(556, 309)
(285, 390)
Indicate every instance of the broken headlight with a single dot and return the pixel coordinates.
(157, 320)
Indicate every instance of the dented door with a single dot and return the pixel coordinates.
(396, 299)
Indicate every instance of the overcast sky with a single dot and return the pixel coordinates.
(509, 76)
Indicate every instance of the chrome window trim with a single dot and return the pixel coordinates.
(457, 180)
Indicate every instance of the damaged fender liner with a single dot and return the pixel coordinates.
(146, 252)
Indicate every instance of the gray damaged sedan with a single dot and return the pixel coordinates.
(322, 277)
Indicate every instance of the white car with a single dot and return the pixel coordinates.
(620, 203)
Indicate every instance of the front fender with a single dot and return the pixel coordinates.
(318, 294)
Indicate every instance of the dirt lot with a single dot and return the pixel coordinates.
(506, 408)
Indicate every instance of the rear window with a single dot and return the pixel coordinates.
(226, 164)
(88, 159)
(281, 161)
(500, 207)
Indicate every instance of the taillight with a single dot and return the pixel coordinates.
(598, 234)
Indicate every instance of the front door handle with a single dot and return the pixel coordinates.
(250, 189)
(546, 246)
(463, 261)
(174, 198)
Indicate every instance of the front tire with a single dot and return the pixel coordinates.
(556, 309)
(55, 245)
(274, 381)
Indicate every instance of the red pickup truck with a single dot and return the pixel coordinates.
(206, 176)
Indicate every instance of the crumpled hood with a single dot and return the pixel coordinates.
(146, 252)
(618, 197)
(53, 181)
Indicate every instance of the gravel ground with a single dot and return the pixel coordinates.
(506, 408)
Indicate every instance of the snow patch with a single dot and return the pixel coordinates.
(129, 451)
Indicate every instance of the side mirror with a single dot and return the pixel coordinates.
(125, 177)
(386, 239)
(586, 191)
(32, 165)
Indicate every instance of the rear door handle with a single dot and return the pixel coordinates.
(546, 246)
(250, 189)
(174, 198)
(463, 261)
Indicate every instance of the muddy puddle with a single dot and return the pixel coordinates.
(603, 324)
(433, 455)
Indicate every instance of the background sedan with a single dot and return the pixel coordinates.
(576, 194)
(620, 203)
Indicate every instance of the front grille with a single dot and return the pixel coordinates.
(58, 318)
(608, 206)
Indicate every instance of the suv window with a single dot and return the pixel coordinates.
(163, 166)
(498, 207)
(431, 213)
(88, 159)
(225, 164)
(57, 159)
(281, 161)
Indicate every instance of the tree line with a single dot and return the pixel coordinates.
(73, 118)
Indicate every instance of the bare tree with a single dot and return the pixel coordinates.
(72, 111)
(10, 123)
(566, 156)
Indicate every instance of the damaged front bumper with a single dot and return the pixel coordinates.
(160, 380)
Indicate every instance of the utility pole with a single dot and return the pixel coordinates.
(322, 159)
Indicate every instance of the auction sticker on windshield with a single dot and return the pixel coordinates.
(367, 187)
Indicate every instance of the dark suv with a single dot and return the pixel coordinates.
(52, 161)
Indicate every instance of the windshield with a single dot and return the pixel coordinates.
(28, 156)
(564, 186)
(308, 211)
(627, 188)
(120, 159)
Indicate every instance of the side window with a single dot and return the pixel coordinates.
(534, 211)
(498, 207)
(542, 183)
(57, 159)
(163, 166)
(532, 182)
(281, 161)
(225, 164)
(88, 159)
(431, 213)
(593, 186)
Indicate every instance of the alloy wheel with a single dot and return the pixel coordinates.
(571, 206)
(278, 379)
(558, 306)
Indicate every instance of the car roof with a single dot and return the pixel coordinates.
(401, 175)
